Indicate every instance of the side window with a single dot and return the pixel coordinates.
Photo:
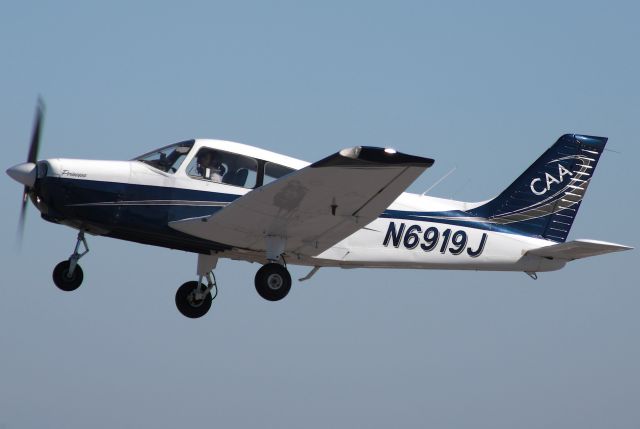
(223, 167)
(273, 171)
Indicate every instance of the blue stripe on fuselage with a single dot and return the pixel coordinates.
(72, 197)
(446, 218)
(108, 207)
(151, 208)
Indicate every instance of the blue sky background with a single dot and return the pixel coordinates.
(482, 86)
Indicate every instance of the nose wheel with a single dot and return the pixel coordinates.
(65, 279)
(273, 281)
(68, 275)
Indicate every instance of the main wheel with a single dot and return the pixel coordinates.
(273, 282)
(62, 279)
(188, 305)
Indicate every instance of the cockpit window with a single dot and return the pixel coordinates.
(169, 158)
(273, 171)
(224, 167)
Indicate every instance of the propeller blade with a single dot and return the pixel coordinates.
(23, 215)
(31, 157)
(35, 135)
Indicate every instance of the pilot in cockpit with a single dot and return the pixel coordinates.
(210, 165)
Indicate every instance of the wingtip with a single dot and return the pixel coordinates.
(361, 155)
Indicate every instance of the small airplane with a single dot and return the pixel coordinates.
(221, 199)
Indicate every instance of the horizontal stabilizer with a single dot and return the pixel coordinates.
(577, 249)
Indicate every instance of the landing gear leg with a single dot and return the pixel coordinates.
(194, 299)
(68, 275)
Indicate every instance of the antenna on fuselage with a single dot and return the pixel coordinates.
(438, 181)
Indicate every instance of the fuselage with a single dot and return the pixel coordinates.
(135, 201)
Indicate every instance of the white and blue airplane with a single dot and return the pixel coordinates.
(220, 199)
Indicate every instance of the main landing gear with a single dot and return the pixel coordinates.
(273, 281)
(194, 298)
(68, 275)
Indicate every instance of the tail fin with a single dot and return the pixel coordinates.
(544, 200)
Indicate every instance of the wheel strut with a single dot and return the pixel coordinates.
(199, 293)
(76, 255)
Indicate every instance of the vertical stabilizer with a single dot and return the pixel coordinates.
(545, 199)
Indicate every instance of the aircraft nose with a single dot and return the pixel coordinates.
(24, 173)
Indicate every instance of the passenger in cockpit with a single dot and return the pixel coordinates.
(210, 165)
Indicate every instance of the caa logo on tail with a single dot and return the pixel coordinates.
(541, 188)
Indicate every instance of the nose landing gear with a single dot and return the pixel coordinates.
(68, 275)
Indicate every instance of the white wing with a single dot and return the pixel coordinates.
(315, 207)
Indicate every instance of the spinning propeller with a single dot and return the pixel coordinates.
(26, 173)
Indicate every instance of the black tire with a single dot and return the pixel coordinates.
(273, 282)
(186, 304)
(63, 281)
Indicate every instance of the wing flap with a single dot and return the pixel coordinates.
(315, 207)
(577, 249)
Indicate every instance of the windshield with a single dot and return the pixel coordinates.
(169, 158)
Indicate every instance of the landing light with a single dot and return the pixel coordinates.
(390, 151)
